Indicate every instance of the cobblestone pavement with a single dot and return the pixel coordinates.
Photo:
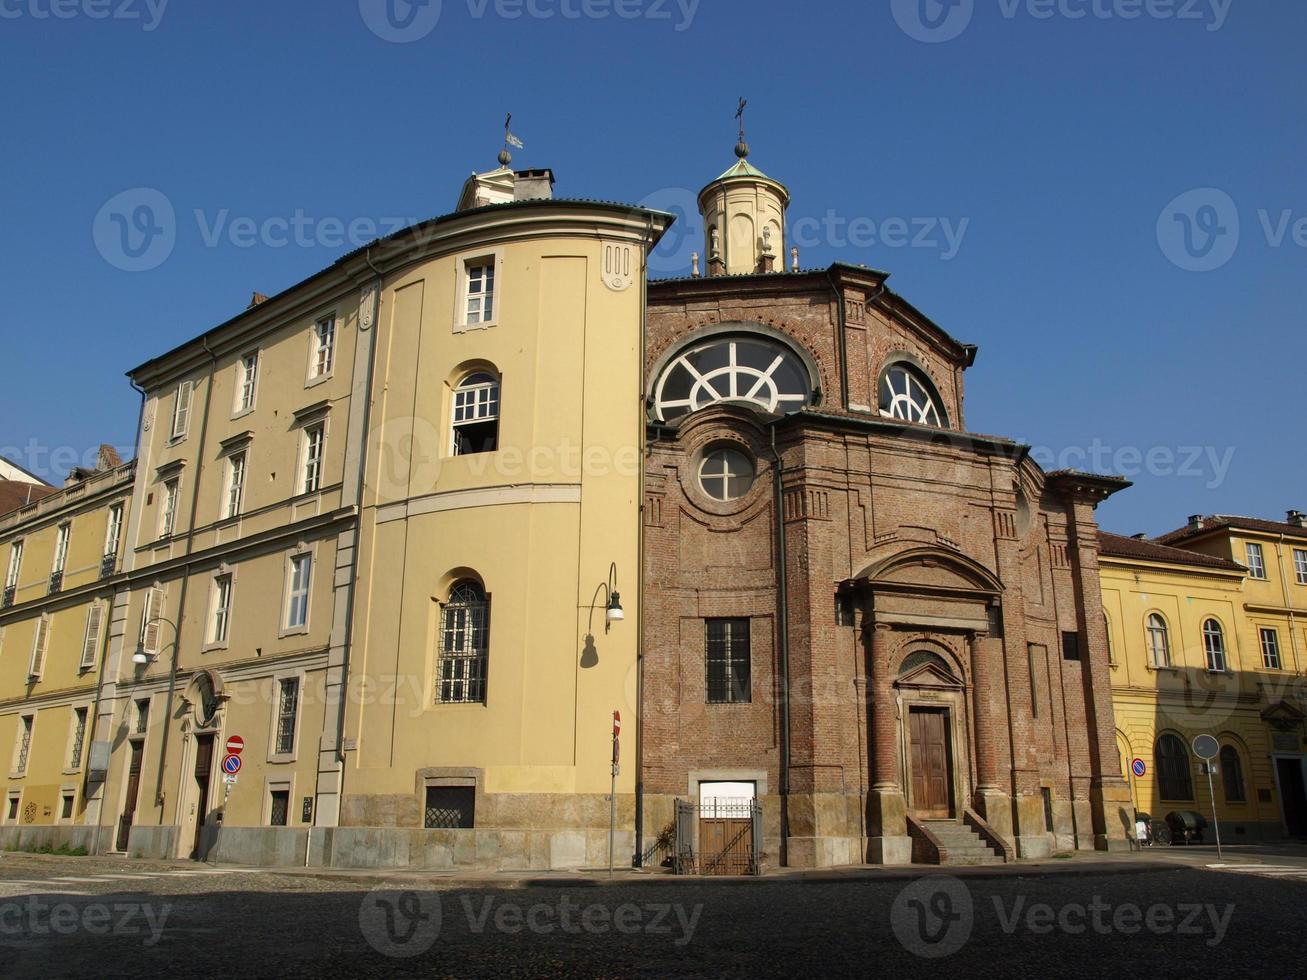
(105, 918)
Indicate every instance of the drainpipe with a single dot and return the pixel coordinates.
(637, 860)
(783, 645)
(840, 341)
(94, 723)
(186, 580)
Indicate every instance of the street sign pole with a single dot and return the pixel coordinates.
(612, 796)
(1215, 819)
(1208, 748)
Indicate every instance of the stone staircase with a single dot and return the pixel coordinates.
(959, 844)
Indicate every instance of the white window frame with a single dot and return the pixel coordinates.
(247, 383)
(1271, 649)
(463, 266)
(91, 634)
(76, 749)
(40, 647)
(1165, 631)
(64, 792)
(323, 344)
(1222, 651)
(233, 495)
(20, 755)
(62, 537)
(172, 491)
(1300, 565)
(479, 407)
(277, 784)
(222, 592)
(13, 801)
(290, 593)
(15, 564)
(113, 531)
(181, 410)
(309, 476)
(274, 753)
(1256, 555)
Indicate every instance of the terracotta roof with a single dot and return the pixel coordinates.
(14, 495)
(1217, 522)
(1116, 546)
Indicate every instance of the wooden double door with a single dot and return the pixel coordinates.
(931, 760)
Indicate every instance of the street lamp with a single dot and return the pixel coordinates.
(614, 613)
(140, 658)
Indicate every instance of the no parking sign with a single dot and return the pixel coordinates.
(1138, 767)
(231, 765)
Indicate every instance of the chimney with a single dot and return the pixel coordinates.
(108, 458)
(1297, 518)
(1195, 521)
(533, 185)
(256, 299)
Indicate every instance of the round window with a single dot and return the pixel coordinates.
(726, 474)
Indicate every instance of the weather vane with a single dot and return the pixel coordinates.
(741, 148)
(505, 157)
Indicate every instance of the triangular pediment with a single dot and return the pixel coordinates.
(929, 675)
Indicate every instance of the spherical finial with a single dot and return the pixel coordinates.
(505, 158)
(741, 149)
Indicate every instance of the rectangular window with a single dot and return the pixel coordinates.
(40, 643)
(221, 619)
(314, 436)
(480, 293)
(288, 702)
(247, 373)
(1300, 565)
(450, 808)
(235, 485)
(66, 813)
(1270, 649)
(1070, 646)
(1256, 561)
(168, 513)
(77, 738)
(476, 416)
(324, 347)
(151, 620)
(279, 807)
(114, 531)
(15, 563)
(142, 715)
(61, 549)
(181, 409)
(91, 638)
(728, 661)
(12, 813)
(24, 743)
(297, 603)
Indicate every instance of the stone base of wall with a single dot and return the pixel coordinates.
(158, 843)
(18, 838)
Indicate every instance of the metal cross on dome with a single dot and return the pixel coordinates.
(739, 114)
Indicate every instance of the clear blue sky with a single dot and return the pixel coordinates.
(1061, 141)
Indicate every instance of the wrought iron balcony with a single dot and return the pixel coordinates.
(56, 582)
(8, 597)
(108, 565)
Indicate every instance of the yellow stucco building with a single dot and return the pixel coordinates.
(1205, 626)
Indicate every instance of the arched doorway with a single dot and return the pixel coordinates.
(934, 733)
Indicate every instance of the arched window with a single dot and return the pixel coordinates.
(464, 645)
(476, 415)
(752, 369)
(1159, 641)
(906, 393)
(1232, 774)
(1174, 781)
(1214, 645)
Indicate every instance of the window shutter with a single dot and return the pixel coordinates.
(91, 645)
(150, 620)
(181, 413)
(39, 644)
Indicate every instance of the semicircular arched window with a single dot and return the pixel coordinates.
(906, 393)
(749, 369)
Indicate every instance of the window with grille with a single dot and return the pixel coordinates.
(280, 807)
(314, 437)
(249, 372)
(78, 738)
(1232, 775)
(1256, 561)
(235, 485)
(1300, 565)
(1214, 645)
(450, 808)
(1159, 641)
(297, 600)
(728, 661)
(476, 415)
(324, 347)
(480, 293)
(1270, 649)
(24, 746)
(464, 645)
(288, 701)
(1174, 781)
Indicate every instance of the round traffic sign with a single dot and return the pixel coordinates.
(231, 764)
(617, 723)
(1206, 747)
(235, 745)
(1138, 767)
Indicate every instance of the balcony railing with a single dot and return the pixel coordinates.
(8, 599)
(108, 566)
(56, 582)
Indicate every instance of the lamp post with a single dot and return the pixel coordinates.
(141, 658)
